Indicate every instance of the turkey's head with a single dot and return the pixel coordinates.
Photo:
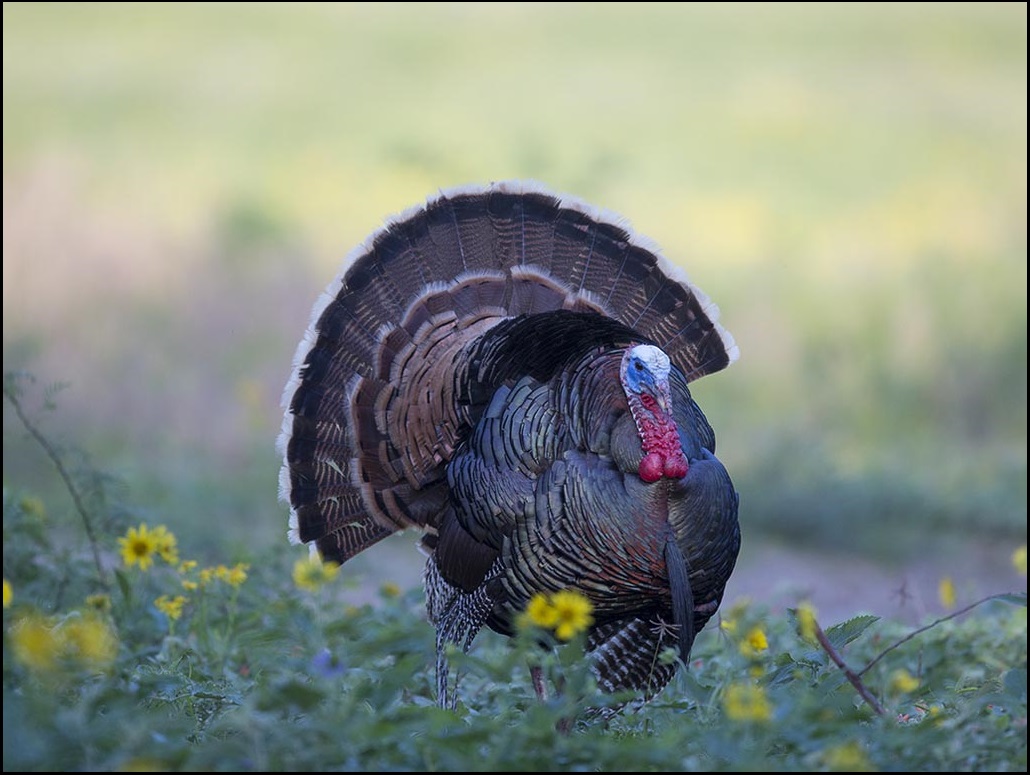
(645, 379)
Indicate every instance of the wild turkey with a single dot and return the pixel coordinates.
(506, 371)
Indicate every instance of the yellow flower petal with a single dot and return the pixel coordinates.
(99, 602)
(903, 682)
(237, 574)
(1019, 560)
(540, 612)
(138, 547)
(573, 612)
(170, 606)
(946, 592)
(165, 544)
(36, 643)
(141, 765)
(746, 702)
(311, 573)
(754, 642)
(847, 757)
(33, 507)
(90, 639)
(807, 622)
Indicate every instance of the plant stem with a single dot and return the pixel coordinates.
(932, 624)
(850, 674)
(55, 458)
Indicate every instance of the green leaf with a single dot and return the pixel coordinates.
(842, 634)
(303, 696)
(1015, 683)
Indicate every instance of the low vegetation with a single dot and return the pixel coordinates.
(121, 653)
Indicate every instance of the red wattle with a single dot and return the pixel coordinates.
(651, 467)
(663, 455)
(676, 466)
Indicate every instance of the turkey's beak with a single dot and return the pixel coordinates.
(663, 396)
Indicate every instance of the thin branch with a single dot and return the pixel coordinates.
(55, 458)
(850, 674)
(932, 624)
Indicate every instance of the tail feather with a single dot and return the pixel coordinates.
(626, 655)
(374, 408)
(352, 538)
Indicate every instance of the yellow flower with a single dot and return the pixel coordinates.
(41, 644)
(903, 682)
(8, 594)
(311, 573)
(37, 644)
(207, 575)
(90, 639)
(572, 612)
(847, 757)
(946, 592)
(99, 602)
(233, 576)
(728, 625)
(540, 612)
(746, 702)
(1019, 559)
(389, 589)
(33, 506)
(186, 566)
(189, 586)
(141, 765)
(567, 612)
(754, 642)
(170, 606)
(166, 545)
(237, 574)
(138, 547)
(807, 623)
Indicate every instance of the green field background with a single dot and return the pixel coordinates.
(846, 181)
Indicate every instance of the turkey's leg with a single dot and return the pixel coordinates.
(537, 673)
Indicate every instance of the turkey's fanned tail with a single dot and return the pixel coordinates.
(375, 406)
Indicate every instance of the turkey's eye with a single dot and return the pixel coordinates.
(638, 366)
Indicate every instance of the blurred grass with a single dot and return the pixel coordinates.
(847, 182)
